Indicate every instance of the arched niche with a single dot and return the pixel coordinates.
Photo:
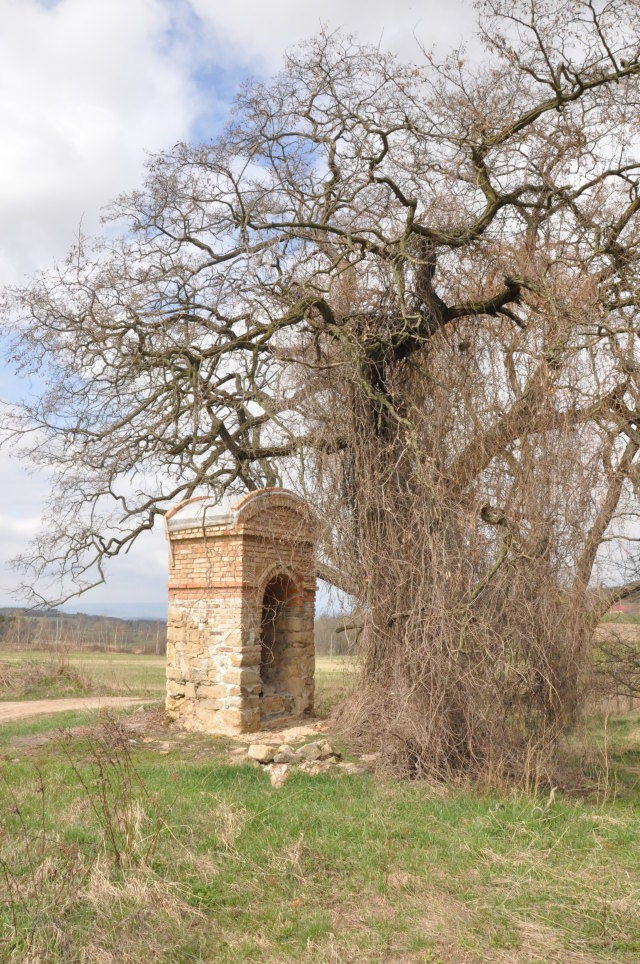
(279, 615)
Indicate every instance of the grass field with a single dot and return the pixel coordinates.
(149, 844)
(137, 675)
(96, 673)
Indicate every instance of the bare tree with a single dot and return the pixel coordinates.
(408, 290)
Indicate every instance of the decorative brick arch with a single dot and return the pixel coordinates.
(240, 650)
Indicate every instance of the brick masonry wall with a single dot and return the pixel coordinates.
(218, 574)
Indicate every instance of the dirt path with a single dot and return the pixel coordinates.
(9, 712)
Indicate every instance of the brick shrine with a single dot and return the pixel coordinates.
(242, 582)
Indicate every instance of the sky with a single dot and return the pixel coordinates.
(88, 88)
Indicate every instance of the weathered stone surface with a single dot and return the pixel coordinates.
(320, 766)
(253, 690)
(309, 752)
(274, 705)
(173, 705)
(261, 752)
(175, 689)
(328, 764)
(327, 750)
(295, 686)
(285, 754)
(294, 624)
(242, 676)
(211, 691)
(246, 657)
(208, 720)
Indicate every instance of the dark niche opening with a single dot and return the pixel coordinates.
(275, 663)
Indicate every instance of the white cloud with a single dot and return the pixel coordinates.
(255, 33)
(86, 86)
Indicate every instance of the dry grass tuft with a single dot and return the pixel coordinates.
(230, 821)
(53, 676)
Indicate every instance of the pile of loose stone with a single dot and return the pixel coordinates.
(280, 758)
(313, 757)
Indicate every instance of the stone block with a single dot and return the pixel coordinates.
(209, 705)
(246, 657)
(310, 752)
(233, 639)
(235, 702)
(242, 675)
(175, 689)
(261, 752)
(276, 705)
(285, 754)
(227, 721)
(246, 692)
(293, 624)
(211, 691)
(327, 750)
(295, 686)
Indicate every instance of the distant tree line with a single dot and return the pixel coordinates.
(52, 629)
(334, 635)
(32, 629)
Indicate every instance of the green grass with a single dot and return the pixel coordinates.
(13, 735)
(333, 677)
(345, 865)
(327, 868)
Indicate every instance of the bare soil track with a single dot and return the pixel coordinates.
(20, 710)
